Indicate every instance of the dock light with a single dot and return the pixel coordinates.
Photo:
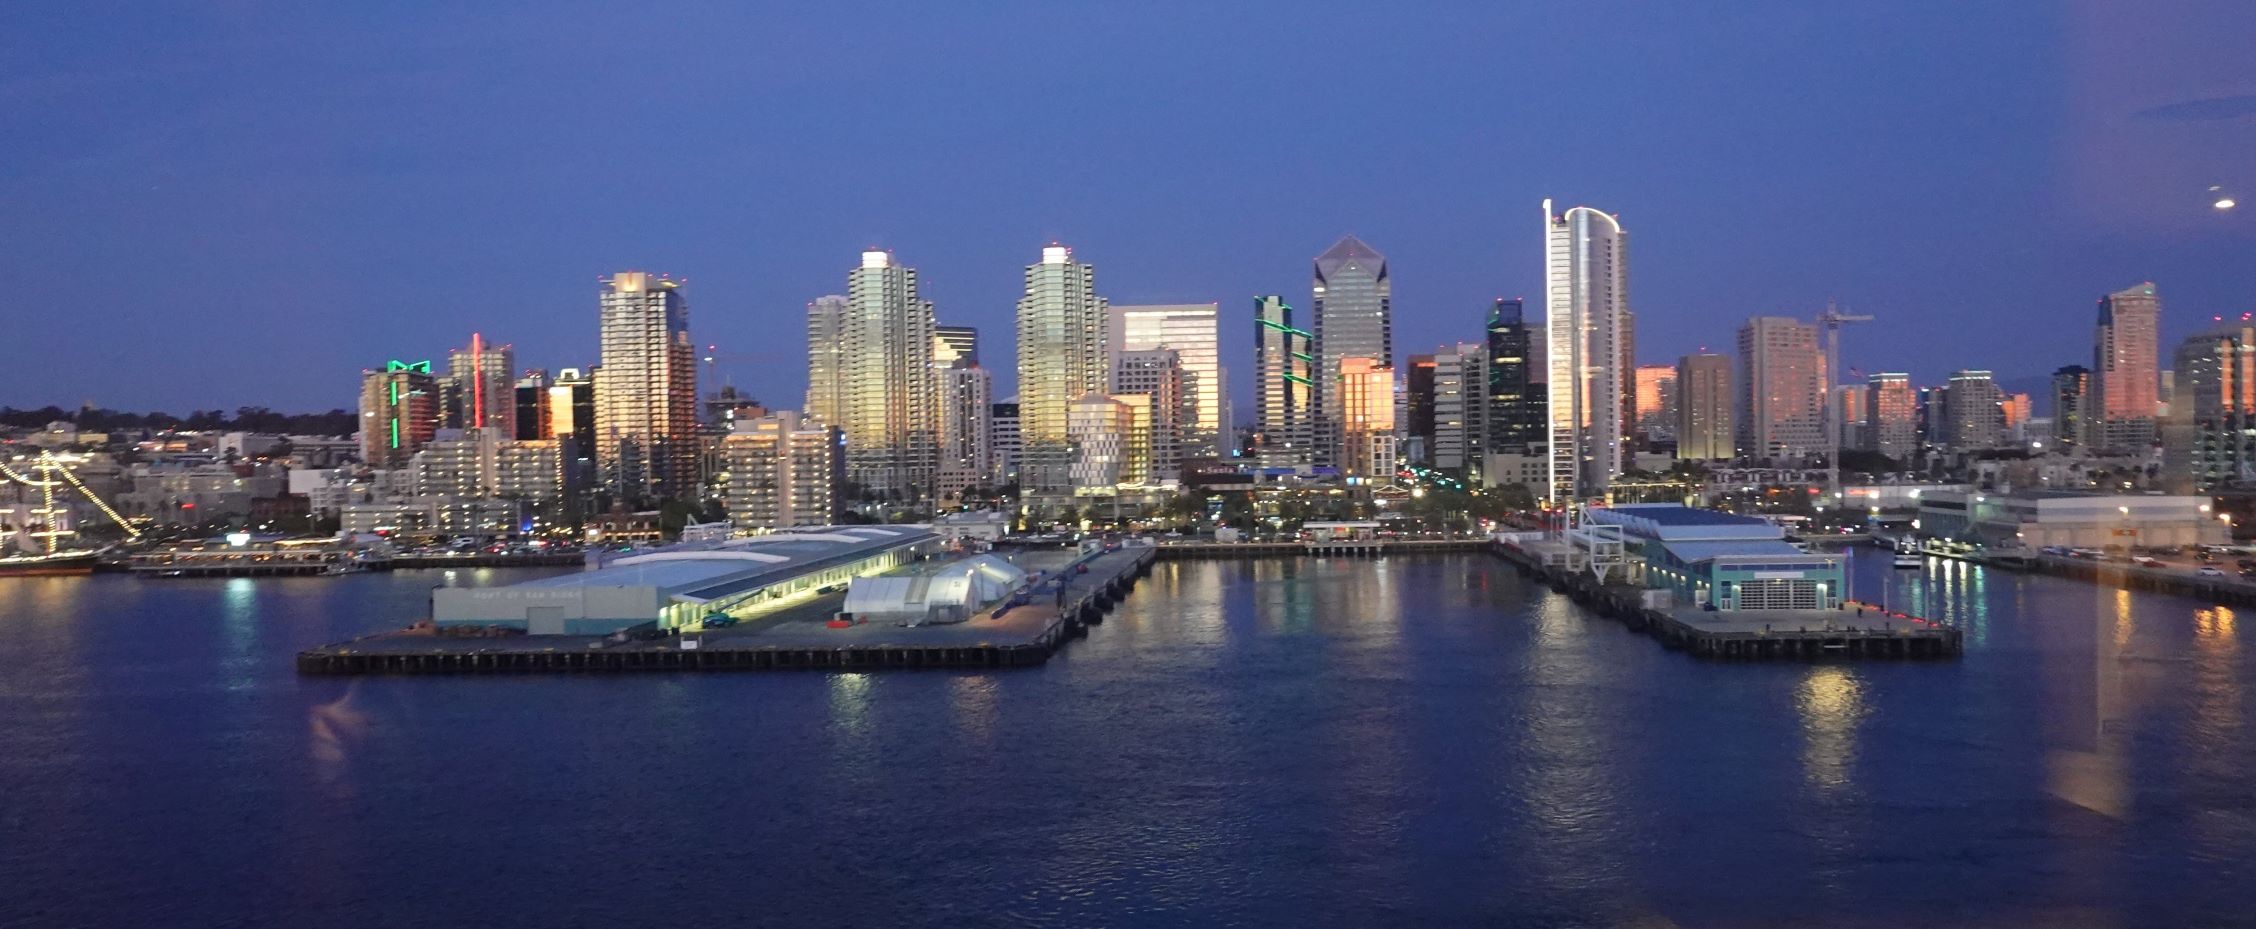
(2124, 510)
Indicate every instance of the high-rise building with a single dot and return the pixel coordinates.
(1062, 357)
(1365, 392)
(2071, 406)
(2126, 350)
(1111, 442)
(399, 412)
(1353, 317)
(1004, 439)
(1588, 377)
(1284, 362)
(488, 464)
(1461, 409)
(2015, 408)
(1158, 376)
(889, 403)
(967, 455)
(1193, 333)
(1656, 402)
(571, 422)
(783, 471)
(1418, 409)
(646, 389)
(955, 346)
(1705, 404)
(1975, 418)
(1849, 401)
(1781, 409)
(1891, 424)
(530, 397)
(483, 379)
(1514, 393)
(826, 359)
(2213, 425)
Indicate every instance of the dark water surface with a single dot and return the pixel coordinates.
(1406, 742)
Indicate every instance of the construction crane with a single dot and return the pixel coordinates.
(1832, 320)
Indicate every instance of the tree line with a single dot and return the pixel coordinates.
(244, 419)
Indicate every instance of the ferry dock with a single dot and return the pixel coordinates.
(1058, 609)
(1350, 547)
(1859, 631)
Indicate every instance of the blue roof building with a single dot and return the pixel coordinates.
(1723, 561)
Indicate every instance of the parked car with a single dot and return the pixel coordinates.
(2207, 571)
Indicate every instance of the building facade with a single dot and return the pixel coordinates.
(1366, 411)
(1111, 442)
(2071, 406)
(1705, 407)
(646, 389)
(2126, 387)
(1514, 393)
(1193, 333)
(1157, 375)
(482, 386)
(1656, 403)
(1891, 416)
(1460, 409)
(2212, 439)
(1587, 323)
(1284, 361)
(399, 412)
(889, 404)
(1975, 417)
(826, 359)
(783, 472)
(967, 427)
(1782, 394)
(1062, 357)
(1352, 317)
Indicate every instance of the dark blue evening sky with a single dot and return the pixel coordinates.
(244, 203)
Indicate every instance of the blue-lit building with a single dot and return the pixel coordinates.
(1722, 561)
(681, 585)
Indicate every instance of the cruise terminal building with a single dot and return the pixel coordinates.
(680, 585)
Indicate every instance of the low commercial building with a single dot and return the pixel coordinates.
(681, 585)
(981, 525)
(2070, 519)
(1716, 560)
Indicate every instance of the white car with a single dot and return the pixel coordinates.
(2207, 571)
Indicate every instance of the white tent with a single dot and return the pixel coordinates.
(948, 593)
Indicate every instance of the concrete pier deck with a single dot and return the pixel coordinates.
(1752, 634)
(796, 638)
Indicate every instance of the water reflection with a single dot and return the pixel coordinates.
(973, 698)
(332, 728)
(1830, 702)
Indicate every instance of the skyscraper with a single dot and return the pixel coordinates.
(1975, 419)
(1704, 406)
(2212, 434)
(1586, 331)
(1353, 317)
(1891, 423)
(2126, 350)
(399, 412)
(1782, 395)
(1365, 391)
(2071, 406)
(1192, 332)
(1004, 439)
(1418, 409)
(1283, 362)
(782, 472)
(889, 401)
(646, 389)
(955, 346)
(483, 378)
(826, 348)
(1656, 402)
(1849, 401)
(1461, 409)
(1158, 376)
(967, 419)
(1062, 357)
(1514, 392)
(1111, 442)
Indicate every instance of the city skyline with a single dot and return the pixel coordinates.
(256, 163)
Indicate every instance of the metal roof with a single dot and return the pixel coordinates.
(1690, 552)
(1671, 514)
(706, 571)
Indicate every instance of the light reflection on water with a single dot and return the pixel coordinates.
(1296, 742)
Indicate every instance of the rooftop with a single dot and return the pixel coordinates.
(708, 570)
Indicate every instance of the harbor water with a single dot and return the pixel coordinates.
(1411, 741)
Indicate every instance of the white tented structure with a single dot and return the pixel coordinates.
(948, 593)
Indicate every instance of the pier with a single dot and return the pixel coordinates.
(1056, 611)
(1857, 632)
(1348, 547)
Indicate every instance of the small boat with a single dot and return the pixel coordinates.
(1907, 556)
